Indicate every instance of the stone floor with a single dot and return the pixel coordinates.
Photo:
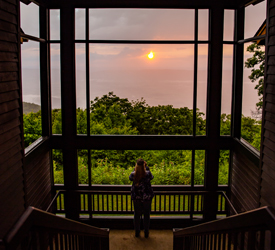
(125, 239)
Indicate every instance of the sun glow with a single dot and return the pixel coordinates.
(150, 55)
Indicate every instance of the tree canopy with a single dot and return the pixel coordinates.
(257, 65)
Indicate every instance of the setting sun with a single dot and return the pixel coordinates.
(150, 55)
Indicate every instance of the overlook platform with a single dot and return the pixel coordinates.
(125, 239)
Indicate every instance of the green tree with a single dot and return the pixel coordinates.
(258, 59)
(56, 121)
(32, 127)
(251, 131)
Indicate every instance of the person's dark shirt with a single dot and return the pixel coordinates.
(143, 191)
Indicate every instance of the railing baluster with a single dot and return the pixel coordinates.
(63, 202)
(97, 198)
(67, 241)
(164, 202)
(203, 242)
(112, 198)
(235, 240)
(174, 205)
(121, 201)
(262, 240)
(107, 197)
(102, 202)
(117, 202)
(61, 241)
(51, 241)
(170, 197)
(127, 203)
(155, 203)
(272, 245)
(84, 202)
(251, 240)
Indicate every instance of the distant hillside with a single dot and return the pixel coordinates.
(30, 107)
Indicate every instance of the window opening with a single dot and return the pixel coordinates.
(227, 74)
(203, 24)
(199, 167)
(251, 23)
(58, 173)
(29, 19)
(202, 88)
(80, 24)
(141, 24)
(224, 167)
(111, 69)
(56, 89)
(228, 29)
(81, 101)
(252, 83)
(30, 69)
(55, 24)
(31, 92)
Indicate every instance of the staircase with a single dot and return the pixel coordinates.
(252, 230)
(36, 229)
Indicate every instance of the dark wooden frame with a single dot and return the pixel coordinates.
(212, 143)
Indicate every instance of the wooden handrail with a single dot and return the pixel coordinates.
(228, 201)
(34, 217)
(54, 199)
(264, 216)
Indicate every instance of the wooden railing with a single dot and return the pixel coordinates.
(251, 230)
(116, 200)
(38, 229)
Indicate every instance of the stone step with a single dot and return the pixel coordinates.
(125, 239)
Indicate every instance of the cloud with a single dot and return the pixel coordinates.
(141, 24)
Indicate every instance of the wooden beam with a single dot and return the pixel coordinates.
(68, 109)
(237, 90)
(213, 112)
(228, 4)
(142, 142)
(45, 74)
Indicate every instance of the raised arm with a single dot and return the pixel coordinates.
(151, 177)
(131, 176)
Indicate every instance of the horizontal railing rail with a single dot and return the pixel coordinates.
(116, 200)
(250, 230)
(37, 229)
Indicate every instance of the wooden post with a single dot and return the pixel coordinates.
(45, 74)
(213, 112)
(237, 90)
(68, 106)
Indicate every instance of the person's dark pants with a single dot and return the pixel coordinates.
(145, 208)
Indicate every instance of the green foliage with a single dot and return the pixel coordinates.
(56, 121)
(113, 115)
(225, 124)
(223, 167)
(32, 127)
(251, 131)
(258, 58)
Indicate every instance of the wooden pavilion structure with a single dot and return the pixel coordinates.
(26, 178)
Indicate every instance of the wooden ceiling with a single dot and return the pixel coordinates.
(229, 4)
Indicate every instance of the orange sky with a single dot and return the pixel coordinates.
(139, 24)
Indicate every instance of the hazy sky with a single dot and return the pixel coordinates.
(125, 68)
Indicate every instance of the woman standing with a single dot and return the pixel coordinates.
(142, 195)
